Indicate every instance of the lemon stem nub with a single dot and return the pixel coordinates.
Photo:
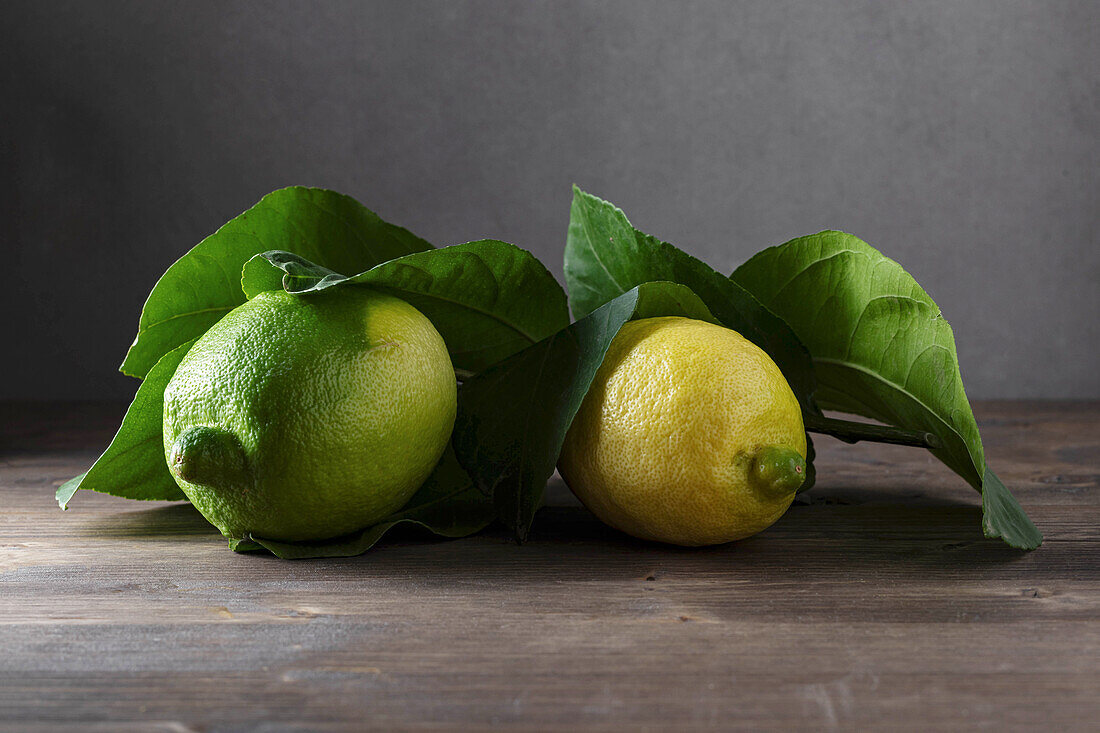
(778, 469)
(207, 456)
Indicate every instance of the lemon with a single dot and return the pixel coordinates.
(689, 435)
(309, 417)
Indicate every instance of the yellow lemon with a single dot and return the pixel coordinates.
(689, 435)
(309, 417)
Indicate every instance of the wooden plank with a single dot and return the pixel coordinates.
(877, 603)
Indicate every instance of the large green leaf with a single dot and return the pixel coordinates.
(329, 228)
(133, 466)
(513, 417)
(605, 256)
(489, 299)
(882, 349)
(447, 504)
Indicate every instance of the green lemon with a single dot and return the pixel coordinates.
(689, 435)
(309, 417)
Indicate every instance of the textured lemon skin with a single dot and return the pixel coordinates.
(662, 445)
(343, 402)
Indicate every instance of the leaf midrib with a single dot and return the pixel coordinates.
(188, 314)
(878, 377)
(487, 314)
(595, 253)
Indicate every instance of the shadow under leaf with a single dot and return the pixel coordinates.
(176, 520)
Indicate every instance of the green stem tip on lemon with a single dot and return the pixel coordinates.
(208, 456)
(777, 469)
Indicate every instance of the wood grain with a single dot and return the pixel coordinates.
(875, 604)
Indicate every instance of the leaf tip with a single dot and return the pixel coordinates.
(244, 544)
(65, 491)
(1003, 517)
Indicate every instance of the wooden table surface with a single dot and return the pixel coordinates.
(876, 604)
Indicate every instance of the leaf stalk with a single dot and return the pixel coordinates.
(853, 432)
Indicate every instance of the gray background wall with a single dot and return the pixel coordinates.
(961, 138)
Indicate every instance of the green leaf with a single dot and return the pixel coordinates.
(881, 348)
(278, 269)
(133, 466)
(203, 285)
(488, 299)
(1002, 515)
(605, 256)
(513, 417)
(245, 545)
(65, 491)
(447, 505)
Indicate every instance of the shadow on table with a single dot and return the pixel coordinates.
(172, 520)
(833, 535)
